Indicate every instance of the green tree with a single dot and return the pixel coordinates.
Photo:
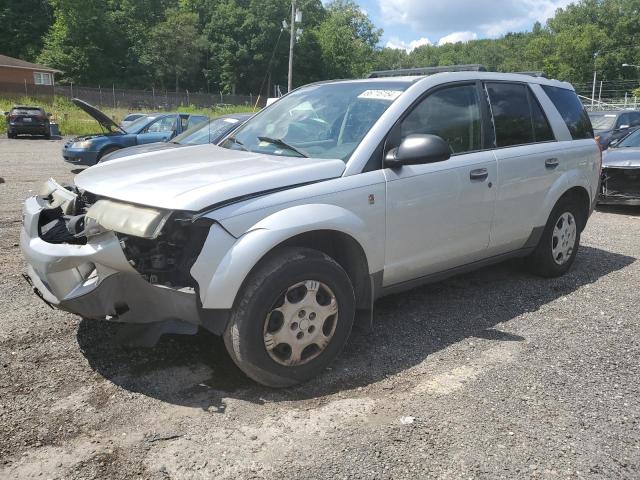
(347, 39)
(174, 49)
(23, 26)
(86, 43)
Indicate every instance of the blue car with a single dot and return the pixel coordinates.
(89, 149)
(210, 132)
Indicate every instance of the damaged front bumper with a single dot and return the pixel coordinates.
(620, 186)
(96, 280)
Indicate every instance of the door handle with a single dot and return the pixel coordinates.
(479, 174)
(551, 162)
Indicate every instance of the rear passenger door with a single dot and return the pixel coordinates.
(439, 214)
(528, 161)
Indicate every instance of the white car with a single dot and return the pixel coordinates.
(335, 195)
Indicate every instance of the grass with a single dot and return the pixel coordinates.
(73, 121)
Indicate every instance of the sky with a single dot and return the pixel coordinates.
(410, 23)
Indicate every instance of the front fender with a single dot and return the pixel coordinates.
(222, 283)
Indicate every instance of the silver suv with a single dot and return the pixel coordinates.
(333, 196)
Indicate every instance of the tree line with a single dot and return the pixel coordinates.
(240, 46)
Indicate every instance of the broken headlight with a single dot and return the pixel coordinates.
(142, 222)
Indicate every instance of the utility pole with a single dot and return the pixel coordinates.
(593, 88)
(292, 42)
(296, 16)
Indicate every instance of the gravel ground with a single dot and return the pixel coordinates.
(498, 374)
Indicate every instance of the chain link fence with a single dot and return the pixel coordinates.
(127, 98)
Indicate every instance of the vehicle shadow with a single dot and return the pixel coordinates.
(631, 210)
(196, 371)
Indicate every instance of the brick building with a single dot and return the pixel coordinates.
(22, 77)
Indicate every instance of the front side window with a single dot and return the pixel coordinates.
(572, 111)
(165, 124)
(452, 113)
(624, 121)
(517, 116)
(318, 121)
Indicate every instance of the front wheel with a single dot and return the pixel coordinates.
(560, 240)
(106, 152)
(292, 318)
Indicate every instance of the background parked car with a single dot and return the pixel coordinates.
(212, 131)
(621, 172)
(89, 149)
(129, 119)
(27, 120)
(611, 126)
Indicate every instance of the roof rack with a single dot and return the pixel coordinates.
(533, 74)
(412, 72)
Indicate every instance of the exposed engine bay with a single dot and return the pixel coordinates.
(69, 217)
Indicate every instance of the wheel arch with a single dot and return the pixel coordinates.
(330, 229)
(344, 249)
(581, 197)
(571, 185)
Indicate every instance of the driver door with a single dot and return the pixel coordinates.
(161, 130)
(439, 214)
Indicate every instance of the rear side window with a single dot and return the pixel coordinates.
(517, 116)
(570, 108)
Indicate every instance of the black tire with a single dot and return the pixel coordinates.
(244, 337)
(542, 262)
(11, 135)
(105, 152)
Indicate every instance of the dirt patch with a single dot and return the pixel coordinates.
(504, 375)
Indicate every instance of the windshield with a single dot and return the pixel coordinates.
(207, 132)
(318, 121)
(137, 125)
(602, 121)
(630, 141)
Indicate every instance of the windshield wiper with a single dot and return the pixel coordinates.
(281, 143)
(237, 142)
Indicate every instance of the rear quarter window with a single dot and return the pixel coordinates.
(572, 111)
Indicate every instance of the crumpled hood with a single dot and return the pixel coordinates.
(195, 177)
(621, 158)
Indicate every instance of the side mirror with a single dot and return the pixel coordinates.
(418, 149)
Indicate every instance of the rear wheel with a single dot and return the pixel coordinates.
(560, 240)
(292, 317)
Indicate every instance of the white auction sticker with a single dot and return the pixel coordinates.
(389, 95)
(231, 120)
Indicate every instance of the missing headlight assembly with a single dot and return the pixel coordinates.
(167, 259)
